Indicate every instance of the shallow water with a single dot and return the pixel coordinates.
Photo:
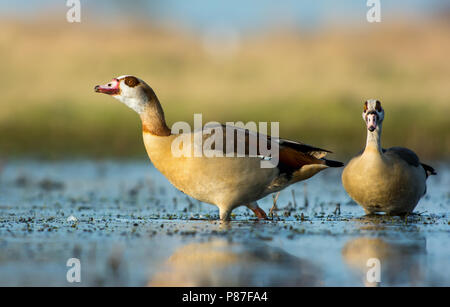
(129, 226)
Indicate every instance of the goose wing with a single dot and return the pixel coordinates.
(409, 157)
(292, 154)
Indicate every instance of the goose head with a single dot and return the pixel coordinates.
(373, 114)
(130, 90)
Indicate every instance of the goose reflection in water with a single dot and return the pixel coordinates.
(401, 260)
(223, 263)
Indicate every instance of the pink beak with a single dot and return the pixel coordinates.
(112, 88)
(371, 121)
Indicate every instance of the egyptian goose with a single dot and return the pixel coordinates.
(384, 180)
(227, 182)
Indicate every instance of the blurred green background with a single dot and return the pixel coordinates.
(311, 75)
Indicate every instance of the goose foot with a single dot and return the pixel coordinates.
(260, 214)
(225, 215)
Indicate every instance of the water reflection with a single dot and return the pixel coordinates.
(223, 263)
(402, 260)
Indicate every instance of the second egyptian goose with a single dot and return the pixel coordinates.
(384, 180)
(227, 182)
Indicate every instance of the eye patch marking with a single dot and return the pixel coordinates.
(378, 106)
(131, 81)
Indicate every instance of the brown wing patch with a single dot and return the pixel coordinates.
(292, 155)
(291, 160)
(305, 148)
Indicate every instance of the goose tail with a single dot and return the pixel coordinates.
(332, 163)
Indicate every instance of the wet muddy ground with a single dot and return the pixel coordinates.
(129, 227)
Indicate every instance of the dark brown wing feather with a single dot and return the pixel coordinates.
(405, 154)
(428, 169)
(410, 157)
(305, 148)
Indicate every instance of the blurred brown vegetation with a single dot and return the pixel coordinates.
(313, 83)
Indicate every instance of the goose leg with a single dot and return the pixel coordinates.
(260, 214)
(224, 214)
